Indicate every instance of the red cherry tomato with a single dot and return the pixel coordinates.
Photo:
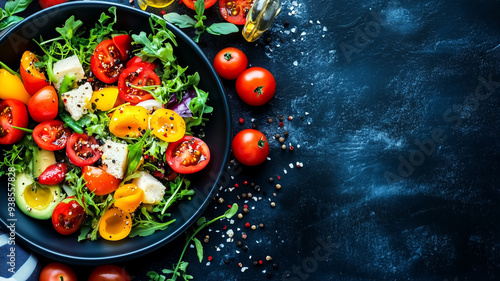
(99, 181)
(137, 75)
(190, 3)
(187, 155)
(53, 174)
(230, 62)
(109, 272)
(107, 62)
(57, 271)
(250, 147)
(235, 11)
(12, 113)
(51, 135)
(49, 3)
(33, 79)
(255, 86)
(124, 44)
(68, 216)
(138, 61)
(82, 150)
(43, 105)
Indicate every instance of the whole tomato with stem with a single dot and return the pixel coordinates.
(57, 271)
(230, 62)
(109, 272)
(256, 86)
(250, 147)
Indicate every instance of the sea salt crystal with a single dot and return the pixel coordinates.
(295, 63)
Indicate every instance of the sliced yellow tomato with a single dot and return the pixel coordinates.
(128, 197)
(115, 224)
(12, 87)
(167, 125)
(129, 121)
(104, 99)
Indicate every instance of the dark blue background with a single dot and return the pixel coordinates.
(395, 108)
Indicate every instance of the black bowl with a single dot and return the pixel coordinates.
(40, 235)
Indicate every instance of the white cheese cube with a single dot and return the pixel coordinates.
(77, 101)
(67, 66)
(153, 189)
(114, 158)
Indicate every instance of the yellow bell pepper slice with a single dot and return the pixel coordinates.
(12, 87)
(104, 99)
(129, 121)
(128, 197)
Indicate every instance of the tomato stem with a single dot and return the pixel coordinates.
(258, 90)
(227, 56)
(23, 129)
(261, 142)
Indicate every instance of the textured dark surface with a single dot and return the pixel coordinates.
(395, 109)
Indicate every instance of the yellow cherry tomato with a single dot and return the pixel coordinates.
(12, 87)
(129, 121)
(167, 125)
(115, 224)
(105, 98)
(128, 197)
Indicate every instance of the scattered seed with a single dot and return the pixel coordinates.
(253, 227)
(278, 186)
(221, 200)
(269, 258)
(273, 204)
(240, 215)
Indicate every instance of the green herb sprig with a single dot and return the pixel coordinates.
(184, 21)
(8, 15)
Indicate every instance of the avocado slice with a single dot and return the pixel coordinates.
(38, 203)
(41, 160)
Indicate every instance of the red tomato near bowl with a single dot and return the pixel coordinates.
(43, 105)
(190, 3)
(57, 271)
(187, 155)
(49, 3)
(230, 62)
(235, 11)
(51, 135)
(250, 147)
(68, 216)
(109, 272)
(12, 113)
(256, 86)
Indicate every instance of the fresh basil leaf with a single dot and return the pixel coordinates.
(199, 248)
(3, 14)
(199, 7)
(181, 21)
(13, 7)
(9, 21)
(222, 28)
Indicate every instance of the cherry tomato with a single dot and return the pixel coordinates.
(57, 271)
(138, 61)
(33, 79)
(250, 147)
(128, 197)
(115, 224)
(137, 75)
(235, 11)
(167, 125)
(51, 135)
(129, 121)
(99, 181)
(68, 216)
(230, 62)
(107, 62)
(82, 150)
(53, 174)
(190, 3)
(124, 44)
(187, 155)
(109, 272)
(256, 86)
(12, 113)
(43, 105)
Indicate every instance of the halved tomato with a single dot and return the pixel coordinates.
(12, 113)
(107, 62)
(188, 155)
(136, 75)
(124, 44)
(68, 216)
(235, 11)
(99, 181)
(138, 61)
(115, 224)
(82, 150)
(51, 135)
(33, 79)
(190, 3)
(167, 125)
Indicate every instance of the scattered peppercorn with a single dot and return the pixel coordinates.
(245, 210)
(252, 184)
(253, 227)
(247, 224)
(275, 265)
(281, 139)
(291, 148)
(244, 248)
(290, 118)
(281, 118)
(244, 195)
(254, 126)
(261, 225)
(241, 120)
(286, 134)
(239, 243)
(283, 147)
(209, 258)
(249, 195)
(257, 188)
(271, 179)
(269, 258)
(278, 186)
(240, 215)
(255, 263)
(270, 120)
(281, 124)
(244, 235)
(245, 182)
(273, 204)
(286, 23)
(221, 200)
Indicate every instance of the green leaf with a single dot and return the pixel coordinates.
(69, 29)
(182, 21)
(3, 14)
(13, 7)
(199, 249)
(135, 153)
(231, 211)
(9, 21)
(199, 7)
(222, 28)
(201, 221)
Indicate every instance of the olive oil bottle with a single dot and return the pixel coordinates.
(259, 18)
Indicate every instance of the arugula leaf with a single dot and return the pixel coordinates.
(19, 156)
(135, 152)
